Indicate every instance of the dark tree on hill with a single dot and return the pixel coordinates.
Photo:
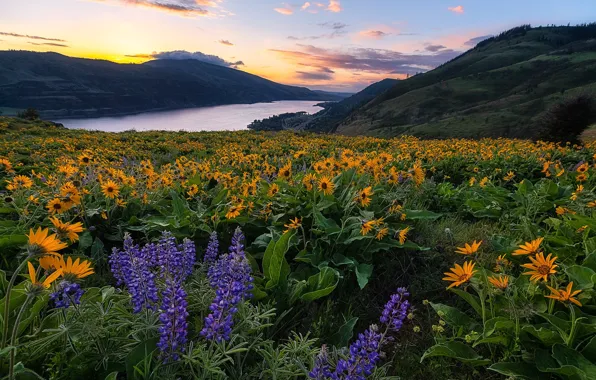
(567, 120)
(29, 114)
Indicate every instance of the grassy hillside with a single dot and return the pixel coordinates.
(496, 89)
(61, 86)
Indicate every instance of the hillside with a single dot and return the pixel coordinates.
(498, 88)
(61, 86)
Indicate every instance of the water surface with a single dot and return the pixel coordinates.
(219, 118)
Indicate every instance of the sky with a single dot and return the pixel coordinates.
(334, 45)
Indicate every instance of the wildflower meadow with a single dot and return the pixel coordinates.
(252, 255)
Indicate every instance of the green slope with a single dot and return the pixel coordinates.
(496, 89)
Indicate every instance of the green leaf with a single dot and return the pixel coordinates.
(112, 376)
(546, 335)
(343, 336)
(138, 354)
(85, 240)
(275, 265)
(363, 273)
(321, 284)
(581, 276)
(421, 215)
(498, 323)
(589, 351)
(516, 370)
(453, 316)
(97, 251)
(561, 325)
(12, 241)
(178, 205)
(456, 350)
(469, 298)
(572, 363)
(219, 197)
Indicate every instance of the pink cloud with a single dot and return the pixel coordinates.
(458, 9)
(334, 6)
(376, 34)
(286, 10)
(305, 5)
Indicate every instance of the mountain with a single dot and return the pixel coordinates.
(61, 86)
(499, 88)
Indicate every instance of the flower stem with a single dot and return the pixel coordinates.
(13, 338)
(573, 326)
(7, 302)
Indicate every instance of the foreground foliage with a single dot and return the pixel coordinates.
(116, 261)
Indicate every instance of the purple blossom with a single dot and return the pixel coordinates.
(173, 329)
(66, 293)
(321, 370)
(212, 249)
(176, 261)
(366, 351)
(231, 278)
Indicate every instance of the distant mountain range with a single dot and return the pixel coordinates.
(61, 86)
(499, 88)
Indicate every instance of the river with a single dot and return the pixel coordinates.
(220, 118)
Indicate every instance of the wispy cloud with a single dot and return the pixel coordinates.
(226, 42)
(334, 6)
(48, 44)
(285, 10)
(365, 59)
(305, 6)
(434, 48)
(30, 37)
(322, 74)
(333, 25)
(183, 54)
(186, 8)
(338, 30)
(458, 9)
(376, 34)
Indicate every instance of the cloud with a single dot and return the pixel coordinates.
(187, 8)
(336, 27)
(334, 6)
(30, 37)
(305, 6)
(226, 42)
(49, 44)
(183, 54)
(333, 25)
(365, 59)
(434, 48)
(310, 76)
(458, 9)
(474, 41)
(376, 34)
(286, 10)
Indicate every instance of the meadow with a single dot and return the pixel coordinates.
(259, 255)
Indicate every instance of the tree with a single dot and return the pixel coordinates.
(567, 120)
(29, 114)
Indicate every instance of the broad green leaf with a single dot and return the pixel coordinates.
(112, 376)
(469, 298)
(581, 276)
(547, 336)
(456, 350)
(219, 197)
(363, 273)
(275, 265)
(495, 339)
(589, 351)
(572, 363)
(498, 323)
(344, 334)
(421, 215)
(453, 316)
(562, 326)
(321, 284)
(516, 370)
(85, 240)
(12, 241)
(178, 205)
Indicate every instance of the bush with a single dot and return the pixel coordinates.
(567, 120)
(29, 114)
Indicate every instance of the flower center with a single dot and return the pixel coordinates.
(543, 269)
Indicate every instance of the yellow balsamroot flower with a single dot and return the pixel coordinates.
(20, 182)
(110, 189)
(285, 172)
(67, 230)
(273, 189)
(382, 233)
(469, 249)
(582, 168)
(56, 206)
(50, 262)
(591, 204)
(581, 177)
(564, 295)
(459, 274)
(540, 267)
(326, 185)
(501, 263)
(308, 181)
(45, 283)
(529, 248)
(234, 211)
(510, 175)
(499, 282)
(41, 243)
(5, 165)
(364, 196)
(74, 270)
(366, 227)
(293, 225)
(403, 234)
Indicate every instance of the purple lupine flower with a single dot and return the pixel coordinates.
(132, 267)
(212, 249)
(231, 278)
(366, 351)
(321, 370)
(173, 329)
(176, 261)
(66, 293)
(189, 253)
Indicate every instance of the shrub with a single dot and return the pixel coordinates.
(29, 114)
(567, 120)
